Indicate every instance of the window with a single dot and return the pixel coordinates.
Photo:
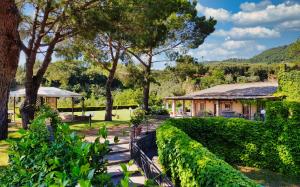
(227, 106)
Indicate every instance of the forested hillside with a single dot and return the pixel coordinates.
(274, 55)
(281, 54)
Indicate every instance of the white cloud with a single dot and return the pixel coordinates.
(228, 49)
(249, 32)
(249, 6)
(219, 14)
(271, 14)
(255, 13)
(232, 44)
(289, 25)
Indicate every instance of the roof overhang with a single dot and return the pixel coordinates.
(220, 97)
(47, 92)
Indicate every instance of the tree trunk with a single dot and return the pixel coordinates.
(28, 107)
(33, 82)
(109, 98)
(9, 57)
(146, 89)
(146, 86)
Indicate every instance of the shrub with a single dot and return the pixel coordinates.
(66, 160)
(157, 110)
(138, 116)
(191, 164)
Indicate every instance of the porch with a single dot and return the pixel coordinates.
(212, 107)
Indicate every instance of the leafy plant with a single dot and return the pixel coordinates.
(138, 116)
(67, 160)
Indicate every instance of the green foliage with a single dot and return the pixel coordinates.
(191, 164)
(273, 145)
(274, 55)
(128, 97)
(294, 50)
(158, 110)
(138, 116)
(289, 85)
(67, 160)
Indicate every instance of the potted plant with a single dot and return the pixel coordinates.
(136, 120)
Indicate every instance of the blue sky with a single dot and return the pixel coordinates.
(246, 28)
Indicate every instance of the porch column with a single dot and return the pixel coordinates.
(193, 108)
(183, 106)
(72, 109)
(14, 109)
(218, 108)
(167, 104)
(174, 107)
(82, 106)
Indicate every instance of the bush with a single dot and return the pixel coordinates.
(157, 110)
(273, 145)
(191, 164)
(138, 117)
(63, 160)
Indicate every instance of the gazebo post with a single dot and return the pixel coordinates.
(82, 106)
(72, 108)
(14, 109)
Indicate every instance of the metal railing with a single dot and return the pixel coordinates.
(151, 171)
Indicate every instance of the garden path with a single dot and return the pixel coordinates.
(121, 153)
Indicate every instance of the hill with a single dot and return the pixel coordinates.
(273, 55)
(270, 56)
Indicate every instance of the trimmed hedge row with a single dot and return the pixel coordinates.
(191, 164)
(273, 145)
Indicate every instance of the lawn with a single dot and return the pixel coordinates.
(13, 136)
(121, 117)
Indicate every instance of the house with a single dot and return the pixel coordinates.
(228, 100)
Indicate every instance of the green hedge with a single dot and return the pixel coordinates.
(191, 164)
(273, 145)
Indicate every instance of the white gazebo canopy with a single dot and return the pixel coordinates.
(46, 92)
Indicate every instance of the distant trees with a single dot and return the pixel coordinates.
(9, 57)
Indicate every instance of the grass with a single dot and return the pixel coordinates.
(121, 117)
(13, 135)
(269, 178)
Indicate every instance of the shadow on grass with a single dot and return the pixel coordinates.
(114, 127)
(269, 178)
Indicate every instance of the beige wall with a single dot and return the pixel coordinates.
(236, 106)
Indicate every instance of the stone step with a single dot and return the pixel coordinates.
(116, 170)
(119, 143)
(116, 148)
(136, 179)
(122, 157)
